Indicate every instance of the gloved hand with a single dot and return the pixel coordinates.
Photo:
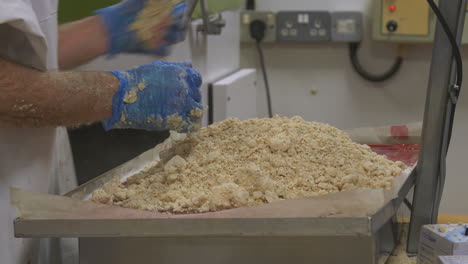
(157, 96)
(144, 26)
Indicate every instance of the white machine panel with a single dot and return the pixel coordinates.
(216, 56)
(235, 96)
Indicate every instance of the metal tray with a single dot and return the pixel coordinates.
(318, 226)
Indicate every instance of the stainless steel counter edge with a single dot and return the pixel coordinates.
(333, 226)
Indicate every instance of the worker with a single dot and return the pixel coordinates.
(37, 99)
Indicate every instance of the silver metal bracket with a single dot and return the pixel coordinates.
(454, 93)
(431, 166)
(212, 24)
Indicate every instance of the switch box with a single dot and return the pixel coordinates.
(303, 26)
(408, 21)
(346, 26)
(409, 17)
(268, 17)
(403, 21)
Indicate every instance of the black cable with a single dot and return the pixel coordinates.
(408, 204)
(257, 31)
(265, 77)
(454, 93)
(250, 5)
(353, 54)
(452, 39)
(458, 60)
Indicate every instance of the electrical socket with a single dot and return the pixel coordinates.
(268, 17)
(346, 26)
(303, 26)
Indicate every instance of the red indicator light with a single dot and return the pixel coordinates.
(392, 8)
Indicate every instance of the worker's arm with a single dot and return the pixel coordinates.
(81, 42)
(156, 96)
(31, 98)
(133, 26)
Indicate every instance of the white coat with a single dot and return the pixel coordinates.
(31, 159)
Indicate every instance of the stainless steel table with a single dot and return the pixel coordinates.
(364, 240)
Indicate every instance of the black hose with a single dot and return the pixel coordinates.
(353, 54)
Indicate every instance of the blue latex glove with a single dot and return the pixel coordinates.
(132, 30)
(157, 96)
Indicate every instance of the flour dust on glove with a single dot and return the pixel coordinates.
(144, 26)
(157, 96)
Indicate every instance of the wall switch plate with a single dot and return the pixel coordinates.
(268, 17)
(303, 26)
(346, 26)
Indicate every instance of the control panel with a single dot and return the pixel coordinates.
(404, 21)
(405, 17)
